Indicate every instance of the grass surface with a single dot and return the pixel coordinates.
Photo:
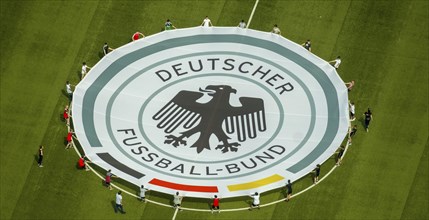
(383, 45)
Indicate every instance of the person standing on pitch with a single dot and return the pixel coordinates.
(288, 190)
(168, 25)
(177, 201)
(352, 133)
(69, 139)
(137, 36)
(206, 22)
(119, 203)
(106, 49)
(352, 111)
(84, 70)
(307, 45)
(368, 118)
(39, 162)
(69, 90)
(350, 85)
(143, 193)
(276, 30)
(83, 163)
(340, 155)
(242, 24)
(215, 206)
(316, 174)
(255, 202)
(108, 179)
(66, 115)
(336, 63)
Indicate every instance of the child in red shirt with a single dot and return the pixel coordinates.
(69, 139)
(66, 115)
(137, 36)
(215, 206)
(82, 163)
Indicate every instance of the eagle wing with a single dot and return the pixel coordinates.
(182, 109)
(247, 119)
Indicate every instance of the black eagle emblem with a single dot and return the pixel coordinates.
(184, 110)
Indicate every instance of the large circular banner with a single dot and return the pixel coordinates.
(205, 111)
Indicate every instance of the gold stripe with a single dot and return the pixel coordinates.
(255, 184)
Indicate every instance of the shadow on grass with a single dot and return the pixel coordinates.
(114, 206)
(62, 118)
(103, 183)
(162, 195)
(64, 92)
(362, 122)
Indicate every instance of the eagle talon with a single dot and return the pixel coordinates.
(228, 147)
(175, 141)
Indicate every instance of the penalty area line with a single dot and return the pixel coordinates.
(253, 12)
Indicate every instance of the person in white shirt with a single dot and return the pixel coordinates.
(276, 30)
(206, 22)
(69, 90)
(84, 70)
(352, 111)
(255, 202)
(143, 193)
(177, 201)
(336, 62)
(119, 203)
(242, 24)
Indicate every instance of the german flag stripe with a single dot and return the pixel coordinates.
(183, 187)
(255, 184)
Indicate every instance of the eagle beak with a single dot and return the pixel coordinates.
(234, 91)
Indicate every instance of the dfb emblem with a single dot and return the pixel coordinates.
(207, 118)
(203, 111)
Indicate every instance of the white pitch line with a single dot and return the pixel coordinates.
(175, 214)
(115, 186)
(207, 210)
(253, 12)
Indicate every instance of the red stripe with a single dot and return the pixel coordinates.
(183, 187)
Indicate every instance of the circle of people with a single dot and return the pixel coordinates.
(177, 198)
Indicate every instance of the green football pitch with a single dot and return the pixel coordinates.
(384, 48)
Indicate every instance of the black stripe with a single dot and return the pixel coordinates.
(120, 166)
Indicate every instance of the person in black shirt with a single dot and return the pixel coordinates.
(316, 173)
(39, 162)
(340, 155)
(307, 45)
(106, 49)
(168, 25)
(352, 133)
(368, 118)
(288, 190)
